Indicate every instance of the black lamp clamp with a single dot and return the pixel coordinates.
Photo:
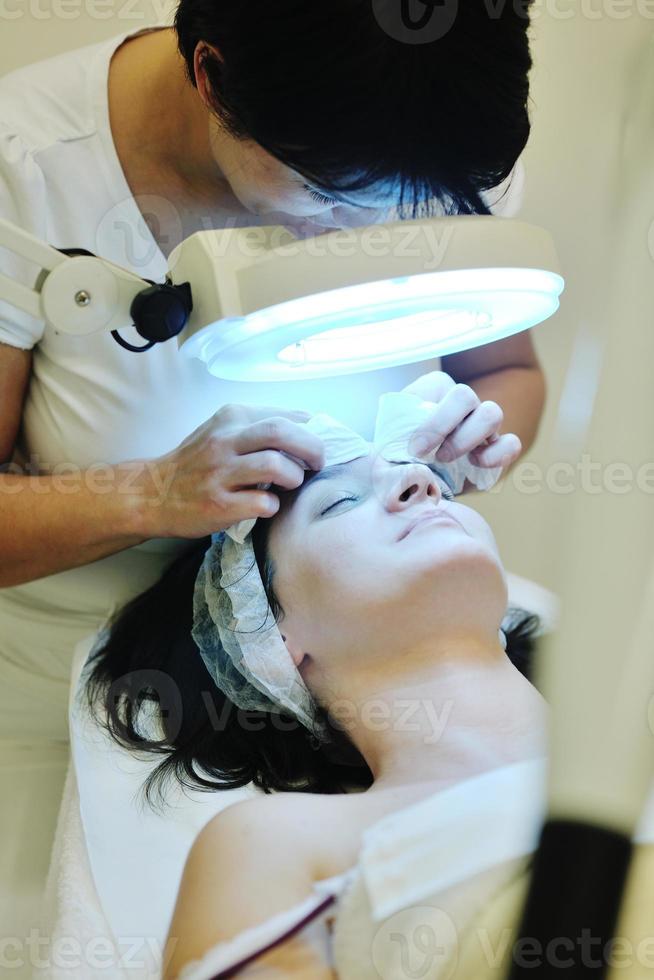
(159, 312)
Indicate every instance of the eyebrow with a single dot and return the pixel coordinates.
(327, 473)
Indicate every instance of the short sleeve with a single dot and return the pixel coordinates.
(309, 918)
(22, 201)
(506, 199)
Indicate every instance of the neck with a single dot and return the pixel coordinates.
(149, 73)
(457, 715)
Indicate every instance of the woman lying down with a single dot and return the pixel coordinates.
(351, 657)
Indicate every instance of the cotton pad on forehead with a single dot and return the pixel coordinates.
(341, 445)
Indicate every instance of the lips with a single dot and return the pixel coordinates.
(424, 518)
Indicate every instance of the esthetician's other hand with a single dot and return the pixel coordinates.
(461, 424)
(212, 479)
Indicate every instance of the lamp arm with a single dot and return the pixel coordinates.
(76, 295)
(82, 294)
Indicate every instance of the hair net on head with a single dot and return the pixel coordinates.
(233, 624)
(238, 638)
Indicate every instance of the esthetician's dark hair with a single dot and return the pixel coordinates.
(350, 92)
(148, 687)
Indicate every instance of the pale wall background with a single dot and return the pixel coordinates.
(587, 59)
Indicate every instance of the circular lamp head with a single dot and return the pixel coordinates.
(270, 308)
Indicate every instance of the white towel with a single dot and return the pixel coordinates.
(81, 941)
(116, 865)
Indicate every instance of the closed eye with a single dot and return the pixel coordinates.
(320, 198)
(341, 501)
(446, 489)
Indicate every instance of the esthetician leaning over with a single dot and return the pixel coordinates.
(309, 115)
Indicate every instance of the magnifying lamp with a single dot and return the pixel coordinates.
(254, 304)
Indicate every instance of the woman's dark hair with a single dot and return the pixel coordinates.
(148, 687)
(344, 93)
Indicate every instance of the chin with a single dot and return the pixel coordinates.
(470, 537)
(461, 560)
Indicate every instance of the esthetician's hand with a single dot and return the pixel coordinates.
(461, 424)
(216, 476)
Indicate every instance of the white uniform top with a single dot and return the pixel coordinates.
(425, 873)
(89, 400)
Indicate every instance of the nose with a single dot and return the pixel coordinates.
(412, 484)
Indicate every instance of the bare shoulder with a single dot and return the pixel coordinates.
(253, 860)
(261, 836)
(268, 803)
(267, 818)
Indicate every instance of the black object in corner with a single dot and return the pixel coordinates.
(572, 906)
